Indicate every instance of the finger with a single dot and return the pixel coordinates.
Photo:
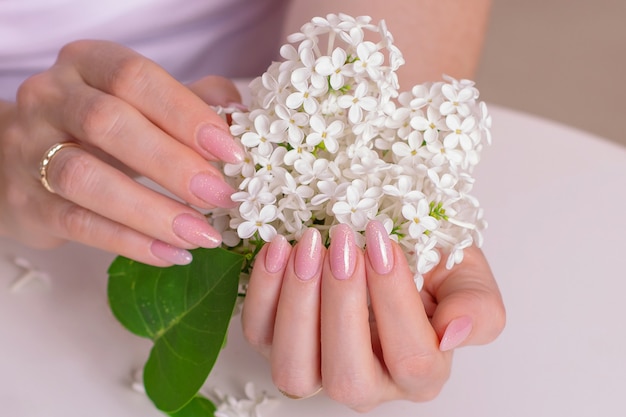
(409, 344)
(295, 355)
(88, 182)
(216, 91)
(351, 374)
(117, 128)
(157, 95)
(75, 223)
(469, 308)
(261, 301)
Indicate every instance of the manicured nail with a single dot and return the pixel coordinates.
(213, 190)
(170, 253)
(457, 331)
(277, 254)
(196, 230)
(220, 143)
(342, 252)
(379, 249)
(308, 258)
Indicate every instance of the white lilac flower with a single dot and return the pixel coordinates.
(330, 139)
(336, 67)
(357, 103)
(256, 221)
(249, 406)
(326, 134)
(419, 218)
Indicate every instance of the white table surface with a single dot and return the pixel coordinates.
(555, 201)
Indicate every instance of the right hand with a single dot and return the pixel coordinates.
(128, 116)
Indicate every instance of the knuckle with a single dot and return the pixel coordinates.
(100, 117)
(71, 49)
(71, 172)
(352, 391)
(293, 381)
(413, 370)
(29, 93)
(258, 339)
(413, 365)
(75, 221)
(128, 76)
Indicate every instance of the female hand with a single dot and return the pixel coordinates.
(123, 114)
(307, 311)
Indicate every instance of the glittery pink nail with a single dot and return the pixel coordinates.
(342, 252)
(213, 190)
(196, 230)
(308, 257)
(170, 253)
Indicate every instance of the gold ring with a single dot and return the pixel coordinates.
(45, 161)
(295, 397)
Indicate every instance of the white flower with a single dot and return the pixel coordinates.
(419, 218)
(460, 132)
(430, 125)
(257, 194)
(370, 60)
(357, 103)
(316, 171)
(330, 139)
(290, 121)
(249, 406)
(404, 190)
(261, 137)
(457, 100)
(359, 205)
(258, 221)
(334, 67)
(324, 134)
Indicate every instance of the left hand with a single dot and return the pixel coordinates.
(307, 311)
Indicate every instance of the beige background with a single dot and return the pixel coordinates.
(561, 59)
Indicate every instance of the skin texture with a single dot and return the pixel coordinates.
(129, 116)
(435, 37)
(307, 307)
(322, 332)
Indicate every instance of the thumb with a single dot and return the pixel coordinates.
(468, 304)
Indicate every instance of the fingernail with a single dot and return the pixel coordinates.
(196, 230)
(308, 254)
(220, 143)
(457, 331)
(170, 253)
(342, 252)
(277, 254)
(379, 250)
(213, 190)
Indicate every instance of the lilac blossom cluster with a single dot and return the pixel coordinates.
(330, 139)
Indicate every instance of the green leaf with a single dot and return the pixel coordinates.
(185, 310)
(198, 407)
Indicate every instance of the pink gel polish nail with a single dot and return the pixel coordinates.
(196, 230)
(220, 143)
(213, 190)
(308, 257)
(379, 249)
(170, 253)
(457, 331)
(342, 252)
(277, 254)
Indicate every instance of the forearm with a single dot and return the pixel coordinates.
(435, 37)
